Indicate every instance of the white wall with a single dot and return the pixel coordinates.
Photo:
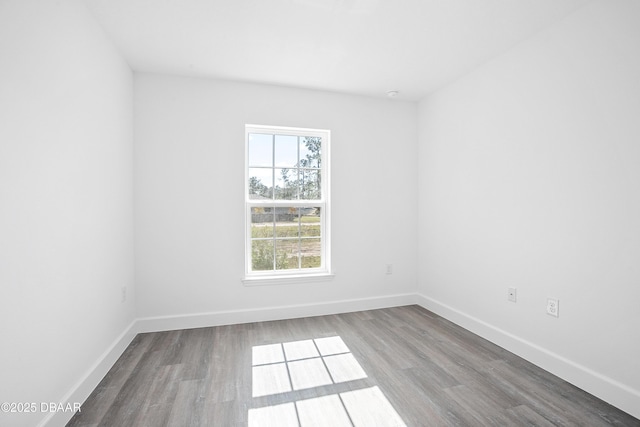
(189, 156)
(530, 177)
(66, 208)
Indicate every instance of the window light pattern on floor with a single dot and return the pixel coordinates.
(278, 368)
(298, 365)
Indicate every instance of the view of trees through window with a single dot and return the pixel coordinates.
(284, 167)
(284, 188)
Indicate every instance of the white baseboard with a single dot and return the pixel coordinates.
(614, 392)
(91, 378)
(619, 395)
(232, 317)
(94, 375)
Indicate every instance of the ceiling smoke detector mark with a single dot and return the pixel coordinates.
(552, 307)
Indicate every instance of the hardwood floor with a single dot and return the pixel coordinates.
(396, 366)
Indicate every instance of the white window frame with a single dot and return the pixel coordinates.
(293, 275)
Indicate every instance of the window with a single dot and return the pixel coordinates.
(287, 202)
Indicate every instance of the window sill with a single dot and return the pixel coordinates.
(287, 280)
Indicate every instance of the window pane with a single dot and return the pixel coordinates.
(260, 149)
(286, 184)
(310, 250)
(310, 184)
(310, 222)
(261, 222)
(262, 255)
(287, 251)
(286, 151)
(287, 221)
(310, 150)
(260, 183)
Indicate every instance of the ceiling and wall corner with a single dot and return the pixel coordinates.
(364, 47)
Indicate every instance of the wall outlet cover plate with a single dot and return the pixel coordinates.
(552, 307)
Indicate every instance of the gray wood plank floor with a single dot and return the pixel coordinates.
(395, 366)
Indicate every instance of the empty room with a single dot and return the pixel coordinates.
(319, 213)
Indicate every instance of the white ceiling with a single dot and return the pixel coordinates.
(365, 47)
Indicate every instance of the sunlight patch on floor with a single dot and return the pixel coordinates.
(370, 407)
(264, 354)
(344, 367)
(300, 350)
(326, 411)
(270, 379)
(274, 416)
(307, 364)
(308, 373)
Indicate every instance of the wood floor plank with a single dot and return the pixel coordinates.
(108, 389)
(480, 407)
(159, 400)
(404, 362)
(524, 416)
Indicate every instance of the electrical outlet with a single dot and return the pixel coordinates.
(553, 307)
(389, 268)
(512, 293)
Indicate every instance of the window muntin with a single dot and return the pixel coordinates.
(286, 196)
